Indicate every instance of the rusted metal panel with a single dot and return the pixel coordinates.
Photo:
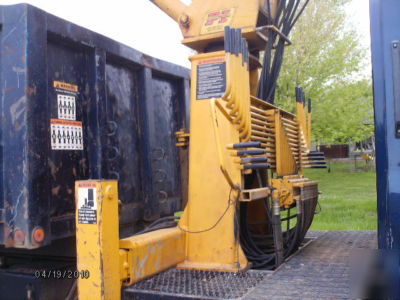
(119, 116)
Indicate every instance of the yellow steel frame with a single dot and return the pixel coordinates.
(97, 243)
(237, 96)
(209, 214)
(149, 253)
(203, 22)
(289, 187)
(205, 237)
(304, 119)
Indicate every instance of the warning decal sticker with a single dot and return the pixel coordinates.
(65, 86)
(211, 79)
(87, 204)
(66, 107)
(66, 135)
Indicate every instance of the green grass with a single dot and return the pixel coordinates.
(348, 198)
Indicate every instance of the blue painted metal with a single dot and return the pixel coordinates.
(130, 105)
(385, 29)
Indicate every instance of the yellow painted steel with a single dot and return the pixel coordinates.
(237, 95)
(285, 157)
(202, 22)
(150, 253)
(206, 237)
(97, 243)
(288, 188)
(183, 138)
(214, 183)
(304, 125)
(282, 135)
(254, 76)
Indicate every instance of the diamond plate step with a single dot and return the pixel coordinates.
(194, 284)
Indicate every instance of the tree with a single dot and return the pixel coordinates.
(327, 60)
(345, 114)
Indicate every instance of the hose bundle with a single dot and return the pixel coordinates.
(287, 14)
(267, 251)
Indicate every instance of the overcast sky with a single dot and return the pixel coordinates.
(358, 12)
(141, 25)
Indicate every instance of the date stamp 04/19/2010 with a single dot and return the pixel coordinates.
(62, 274)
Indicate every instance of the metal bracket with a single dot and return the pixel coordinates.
(182, 137)
(288, 42)
(254, 194)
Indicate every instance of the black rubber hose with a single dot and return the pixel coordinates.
(165, 222)
(285, 18)
(296, 239)
(256, 256)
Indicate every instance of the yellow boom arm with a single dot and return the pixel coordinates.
(202, 22)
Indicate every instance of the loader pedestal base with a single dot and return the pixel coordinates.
(318, 270)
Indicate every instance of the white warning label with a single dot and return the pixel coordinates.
(66, 135)
(66, 107)
(211, 79)
(87, 204)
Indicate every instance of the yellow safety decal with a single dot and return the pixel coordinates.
(65, 86)
(215, 21)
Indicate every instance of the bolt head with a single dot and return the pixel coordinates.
(109, 191)
(184, 20)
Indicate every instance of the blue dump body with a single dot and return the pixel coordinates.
(385, 32)
(77, 105)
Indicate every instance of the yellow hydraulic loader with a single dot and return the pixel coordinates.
(246, 162)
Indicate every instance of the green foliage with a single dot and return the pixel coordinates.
(342, 115)
(348, 198)
(327, 60)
